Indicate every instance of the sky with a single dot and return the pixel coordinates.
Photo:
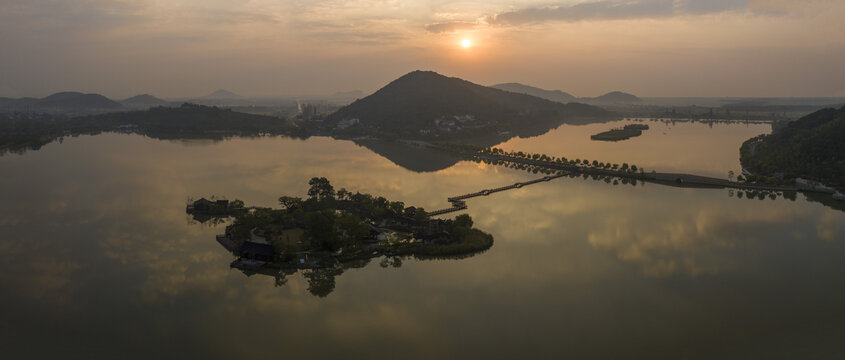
(185, 48)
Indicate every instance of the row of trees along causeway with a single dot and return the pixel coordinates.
(563, 161)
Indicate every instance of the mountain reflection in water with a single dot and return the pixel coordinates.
(97, 257)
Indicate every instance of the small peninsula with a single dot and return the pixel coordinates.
(810, 150)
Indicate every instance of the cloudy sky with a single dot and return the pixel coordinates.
(180, 48)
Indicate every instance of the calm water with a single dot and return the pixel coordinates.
(99, 260)
(699, 148)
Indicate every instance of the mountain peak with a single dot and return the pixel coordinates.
(418, 76)
(413, 104)
(421, 73)
(618, 97)
(222, 94)
(77, 101)
(144, 99)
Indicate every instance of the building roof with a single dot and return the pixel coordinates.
(203, 201)
(251, 249)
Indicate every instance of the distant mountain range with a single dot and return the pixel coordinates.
(221, 97)
(430, 104)
(553, 95)
(615, 97)
(76, 103)
(19, 133)
(144, 100)
(62, 102)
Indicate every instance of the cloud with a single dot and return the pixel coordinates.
(691, 244)
(225, 16)
(785, 7)
(449, 26)
(710, 6)
(70, 16)
(615, 10)
(364, 33)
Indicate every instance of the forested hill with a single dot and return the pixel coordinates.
(616, 97)
(22, 132)
(811, 146)
(411, 104)
(61, 103)
(186, 121)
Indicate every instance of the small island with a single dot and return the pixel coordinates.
(625, 133)
(330, 228)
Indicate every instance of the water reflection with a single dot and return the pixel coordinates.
(686, 147)
(414, 158)
(321, 281)
(95, 239)
(207, 219)
(692, 245)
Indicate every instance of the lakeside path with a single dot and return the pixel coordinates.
(458, 202)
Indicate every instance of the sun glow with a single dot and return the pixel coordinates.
(466, 43)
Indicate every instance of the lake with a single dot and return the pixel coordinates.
(99, 260)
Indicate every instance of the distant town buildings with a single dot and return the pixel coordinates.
(345, 123)
(308, 111)
(454, 123)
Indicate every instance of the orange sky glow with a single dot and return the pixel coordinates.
(275, 48)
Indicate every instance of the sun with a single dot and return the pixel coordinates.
(466, 43)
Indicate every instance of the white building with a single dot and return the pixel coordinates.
(345, 123)
(806, 184)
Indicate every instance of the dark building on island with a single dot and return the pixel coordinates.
(205, 205)
(435, 230)
(257, 251)
(202, 204)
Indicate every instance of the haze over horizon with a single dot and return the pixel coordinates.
(187, 48)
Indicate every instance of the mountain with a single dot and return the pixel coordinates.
(427, 104)
(553, 95)
(79, 101)
(813, 146)
(68, 101)
(615, 97)
(221, 94)
(144, 100)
